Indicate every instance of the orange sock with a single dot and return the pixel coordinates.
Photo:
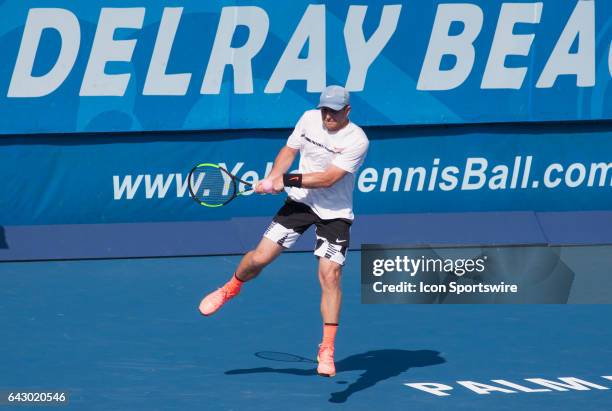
(233, 286)
(329, 334)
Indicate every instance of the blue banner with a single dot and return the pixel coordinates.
(407, 170)
(103, 65)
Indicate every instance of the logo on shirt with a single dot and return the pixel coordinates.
(331, 150)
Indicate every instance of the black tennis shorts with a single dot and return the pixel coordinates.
(294, 218)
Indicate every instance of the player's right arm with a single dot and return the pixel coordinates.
(283, 161)
(287, 154)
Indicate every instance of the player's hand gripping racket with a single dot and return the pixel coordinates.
(213, 186)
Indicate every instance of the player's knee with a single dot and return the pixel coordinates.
(260, 258)
(330, 276)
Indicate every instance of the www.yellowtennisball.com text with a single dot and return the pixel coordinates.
(476, 173)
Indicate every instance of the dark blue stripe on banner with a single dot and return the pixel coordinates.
(236, 236)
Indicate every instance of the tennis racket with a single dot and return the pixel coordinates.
(213, 186)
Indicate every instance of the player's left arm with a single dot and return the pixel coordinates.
(347, 162)
(323, 179)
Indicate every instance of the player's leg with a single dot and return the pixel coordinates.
(288, 224)
(331, 291)
(331, 300)
(255, 260)
(250, 266)
(331, 248)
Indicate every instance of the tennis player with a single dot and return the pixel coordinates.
(332, 148)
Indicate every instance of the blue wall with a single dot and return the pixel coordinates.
(62, 180)
(63, 195)
(551, 62)
(516, 148)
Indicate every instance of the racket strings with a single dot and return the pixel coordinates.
(211, 185)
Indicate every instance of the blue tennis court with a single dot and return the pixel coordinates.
(126, 334)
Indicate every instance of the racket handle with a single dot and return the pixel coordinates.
(267, 186)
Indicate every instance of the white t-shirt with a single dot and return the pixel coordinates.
(319, 148)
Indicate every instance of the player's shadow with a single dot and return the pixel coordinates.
(377, 365)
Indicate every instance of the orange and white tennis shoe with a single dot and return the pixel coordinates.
(213, 301)
(326, 367)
